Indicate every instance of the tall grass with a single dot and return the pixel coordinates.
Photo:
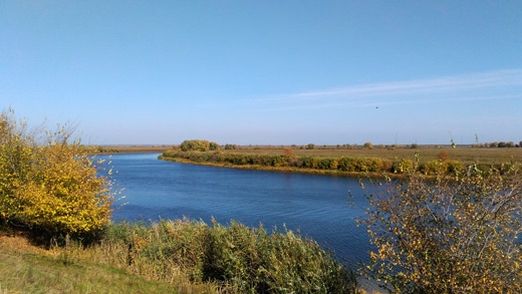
(193, 256)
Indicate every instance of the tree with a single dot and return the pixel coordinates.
(198, 145)
(213, 146)
(230, 146)
(456, 234)
(48, 184)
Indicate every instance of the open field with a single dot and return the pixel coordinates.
(345, 160)
(465, 154)
(112, 149)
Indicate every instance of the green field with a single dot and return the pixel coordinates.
(345, 160)
(465, 154)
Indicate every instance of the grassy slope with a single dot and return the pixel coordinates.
(28, 269)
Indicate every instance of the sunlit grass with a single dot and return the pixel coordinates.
(463, 153)
(178, 256)
(29, 269)
(368, 160)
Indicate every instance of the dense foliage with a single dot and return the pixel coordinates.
(48, 184)
(341, 164)
(198, 145)
(237, 258)
(456, 234)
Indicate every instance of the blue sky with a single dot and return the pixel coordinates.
(266, 72)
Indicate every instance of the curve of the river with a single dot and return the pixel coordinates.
(317, 206)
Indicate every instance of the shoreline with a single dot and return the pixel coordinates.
(286, 169)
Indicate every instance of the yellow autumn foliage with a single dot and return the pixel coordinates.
(49, 184)
(457, 233)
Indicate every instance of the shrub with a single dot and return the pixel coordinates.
(230, 146)
(457, 234)
(327, 163)
(287, 152)
(402, 166)
(443, 155)
(51, 186)
(346, 164)
(310, 162)
(213, 146)
(434, 167)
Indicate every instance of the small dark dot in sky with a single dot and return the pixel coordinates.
(376, 107)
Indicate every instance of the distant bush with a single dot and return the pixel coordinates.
(435, 167)
(213, 146)
(230, 146)
(443, 155)
(402, 166)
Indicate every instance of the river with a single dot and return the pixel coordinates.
(316, 206)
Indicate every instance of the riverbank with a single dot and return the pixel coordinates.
(174, 256)
(394, 162)
(124, 149)
(286, 169)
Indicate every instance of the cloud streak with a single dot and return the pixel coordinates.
(493, 85)
(459, 83)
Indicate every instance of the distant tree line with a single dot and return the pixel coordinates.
(498, 145)
(198, 145)
(341, 164)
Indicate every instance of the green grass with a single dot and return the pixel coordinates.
(463, 153)
(28, 269)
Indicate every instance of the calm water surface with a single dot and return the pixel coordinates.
(317, 206)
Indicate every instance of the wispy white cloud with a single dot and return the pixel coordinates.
(493, 85)
(360, 103)
(468, 82)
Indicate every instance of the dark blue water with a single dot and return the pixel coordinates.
(317, 206)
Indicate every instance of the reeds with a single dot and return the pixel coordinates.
(193, 256)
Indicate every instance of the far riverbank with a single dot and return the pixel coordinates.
(345, 160)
